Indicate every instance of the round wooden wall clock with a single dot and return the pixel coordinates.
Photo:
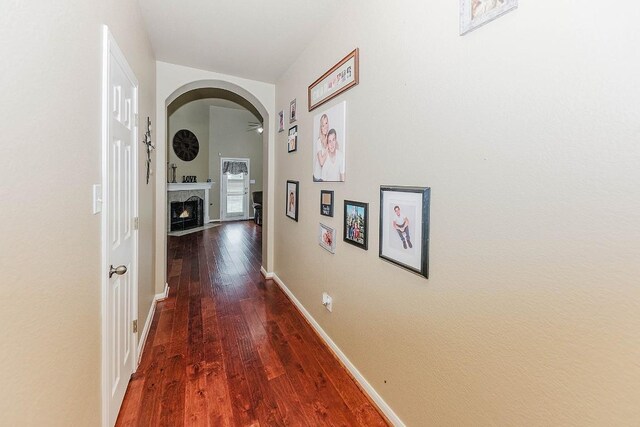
(185, 145)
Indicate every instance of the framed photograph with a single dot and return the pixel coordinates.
(281, 121)
(291, 208)
(327, 238)
(342, 76)
(329, 144)
(404, 227)
(326, 202)
(292, 111)
(292, 142)
(356, 224)
(475, 13)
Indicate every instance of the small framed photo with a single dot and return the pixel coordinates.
(292, 142)
(356, 224)
(327, 238)
(281, 121)
(292, 111)
(291, 208)
(404, 227)
(326, 202)
(475, 13)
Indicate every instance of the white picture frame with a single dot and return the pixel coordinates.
(476, 13)
(327, 238)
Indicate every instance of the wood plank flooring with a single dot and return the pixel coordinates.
(227, 347)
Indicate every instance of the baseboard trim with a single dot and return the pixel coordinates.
(164, 294)
(357, 376)
(266, 274)
(147, 324)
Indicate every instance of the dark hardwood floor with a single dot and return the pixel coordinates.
(228, 348)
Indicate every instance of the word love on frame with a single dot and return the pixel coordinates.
(404, 227)
(342, 76)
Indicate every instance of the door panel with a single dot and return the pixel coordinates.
(234, 197)
(121, 251)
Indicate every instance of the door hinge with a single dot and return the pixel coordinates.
(135, 326)
(136, 223)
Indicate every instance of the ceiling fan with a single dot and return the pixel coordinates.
(255, 127)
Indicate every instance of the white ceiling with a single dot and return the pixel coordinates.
(254, 39)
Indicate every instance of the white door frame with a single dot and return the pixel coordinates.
(110, 47)
(246, 198)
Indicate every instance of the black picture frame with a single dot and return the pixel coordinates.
(292, 136)
(355, 226)
(405, 227)
(291, 207)
(326, 209)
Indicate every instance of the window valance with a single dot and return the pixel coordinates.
(234, 168)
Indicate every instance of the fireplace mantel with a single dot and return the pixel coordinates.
(190, 186)
(203, 187)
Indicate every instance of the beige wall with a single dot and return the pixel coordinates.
(229, 138)
(193, 116)
(50, 251)
(527, 132)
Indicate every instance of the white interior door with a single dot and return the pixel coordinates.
(234, 192)
(120, 232)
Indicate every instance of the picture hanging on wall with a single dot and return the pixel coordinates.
(292, 111)
(329, 144)
(475, 13)
(342, 76)
(356, 224)
(281, 121)
(404, 227)
(327, 238)
(291, 208)
(292, 142)
(326, 202)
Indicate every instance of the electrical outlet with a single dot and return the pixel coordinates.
(327, 301)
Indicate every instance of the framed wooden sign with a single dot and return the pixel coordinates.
(342, 76)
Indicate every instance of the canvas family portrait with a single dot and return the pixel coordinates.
(404, 227)
(329, 144)
(356, 220)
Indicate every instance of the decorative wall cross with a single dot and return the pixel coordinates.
(150, 146)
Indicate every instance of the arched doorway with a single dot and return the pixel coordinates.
(235, 93)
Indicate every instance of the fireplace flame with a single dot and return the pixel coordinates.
(184, 214)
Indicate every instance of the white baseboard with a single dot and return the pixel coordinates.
(364, 384)
(147, 324)
(266, 274)
(163, 294)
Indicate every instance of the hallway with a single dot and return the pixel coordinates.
(227, 348)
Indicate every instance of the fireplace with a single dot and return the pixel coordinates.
(187, 214)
